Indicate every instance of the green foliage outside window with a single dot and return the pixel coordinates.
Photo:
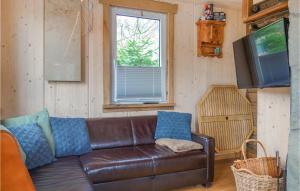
(137, 42)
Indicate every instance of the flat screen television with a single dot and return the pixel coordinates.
(261, 58)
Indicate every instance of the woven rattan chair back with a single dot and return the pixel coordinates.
(225, 114)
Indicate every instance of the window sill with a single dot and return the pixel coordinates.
(137, 107)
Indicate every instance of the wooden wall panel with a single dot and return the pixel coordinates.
(209, 71)
(22, 57)
(71, 98)
(50, 97)
(95, 63)
(274, 120)
(193, 75)
(24, 90)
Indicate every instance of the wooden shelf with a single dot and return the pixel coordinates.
(211, 22)
(210, 34)
(276, 8)
(211, 45)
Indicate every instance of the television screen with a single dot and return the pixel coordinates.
(243, 73)
(261, 58)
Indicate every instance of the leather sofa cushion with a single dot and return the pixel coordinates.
(121, 132)
(166, 161)
(143, 129)
(109, 132)
(116, 164)
(65, 174)
(139, 161)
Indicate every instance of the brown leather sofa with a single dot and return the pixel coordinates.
(125, 158)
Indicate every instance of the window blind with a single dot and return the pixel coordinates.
(138, 84)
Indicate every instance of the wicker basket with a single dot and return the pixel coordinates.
(259, 174)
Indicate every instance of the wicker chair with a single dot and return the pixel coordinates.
(225, 114)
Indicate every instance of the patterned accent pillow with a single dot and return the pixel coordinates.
(41, 118)
(35, 145)
(70, 136)
(173, 125)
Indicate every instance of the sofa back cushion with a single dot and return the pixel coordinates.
(121, 132)
(70, 136)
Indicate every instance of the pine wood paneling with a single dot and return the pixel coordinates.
(106, 54)
(72, 98)
(269, 11)
(148, 5)
(170, 59)
(95, 79)
(247, 8)
(22, 57)
(274, 120)
(192, 75)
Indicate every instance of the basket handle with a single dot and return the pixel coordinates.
(248, 171)
(249, 141)
(245, 170)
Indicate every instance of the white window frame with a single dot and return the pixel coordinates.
(162, 18)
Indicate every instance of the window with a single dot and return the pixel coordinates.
(138, 55)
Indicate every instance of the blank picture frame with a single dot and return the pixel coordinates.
(62, 35)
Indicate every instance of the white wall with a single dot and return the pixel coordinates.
(293, 176)
(25, 91)
(273, 121)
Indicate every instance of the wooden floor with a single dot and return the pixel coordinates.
(224, 180)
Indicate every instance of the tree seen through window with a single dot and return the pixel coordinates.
(138, 42)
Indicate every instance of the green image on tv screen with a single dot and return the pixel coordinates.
(271, 40)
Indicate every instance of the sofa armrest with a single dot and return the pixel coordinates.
(208, 144)
(14, 174)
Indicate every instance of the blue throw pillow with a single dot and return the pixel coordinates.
(173, 125)
(41, 118)
(35, 145)
(70, 136)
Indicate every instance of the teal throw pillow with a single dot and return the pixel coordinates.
(41, 119)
